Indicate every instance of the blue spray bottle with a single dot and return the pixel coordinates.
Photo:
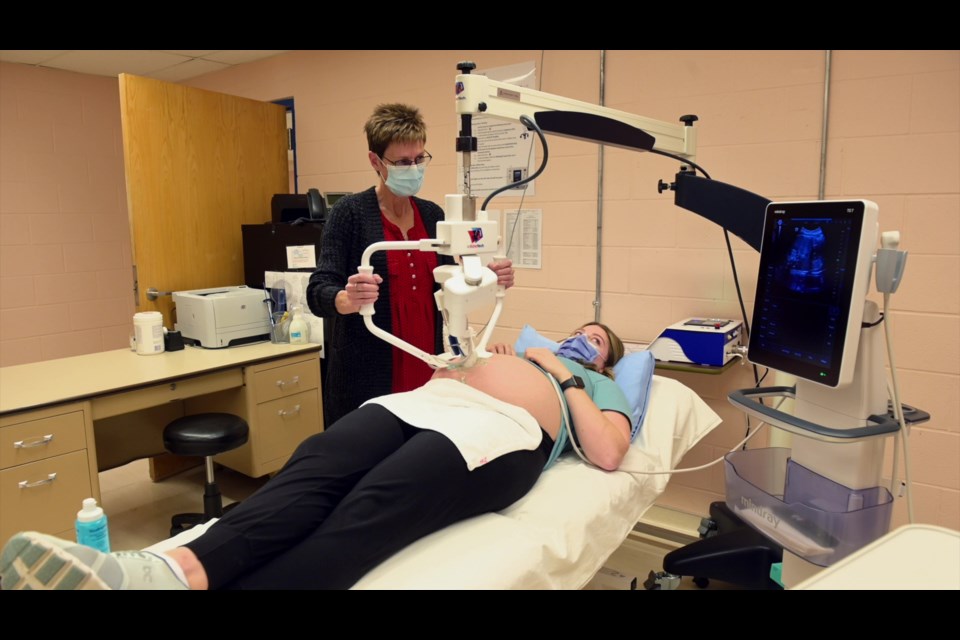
(92, 526)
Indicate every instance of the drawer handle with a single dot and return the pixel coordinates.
(283, 413)
(36, 442)
(25, 484)
(283, 383)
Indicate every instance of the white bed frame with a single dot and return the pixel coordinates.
(560, 534)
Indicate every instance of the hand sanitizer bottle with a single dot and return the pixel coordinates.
(92, 526)
(299, 329)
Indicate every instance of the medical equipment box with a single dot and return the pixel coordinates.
(703, 341)
(222, 316)
(814, 517)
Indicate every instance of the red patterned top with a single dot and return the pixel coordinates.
(412, 306)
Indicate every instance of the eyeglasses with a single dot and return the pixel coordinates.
(421, 160)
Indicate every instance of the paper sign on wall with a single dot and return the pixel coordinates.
(522, 235)
(301, 257)
(505, 149)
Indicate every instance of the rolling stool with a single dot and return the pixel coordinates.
(204, 434)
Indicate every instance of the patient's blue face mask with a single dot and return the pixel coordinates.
(579, 348)
(405, 181)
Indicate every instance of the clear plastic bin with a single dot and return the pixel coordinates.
(812, 516)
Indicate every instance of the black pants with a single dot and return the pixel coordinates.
(351, 497)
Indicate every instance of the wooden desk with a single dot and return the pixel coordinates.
(61, 421)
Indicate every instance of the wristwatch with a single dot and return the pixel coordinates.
(574, 382)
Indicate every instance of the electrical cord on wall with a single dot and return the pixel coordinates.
(523, 194)
(743, 312)
(529, 124)
(525, 183)
(894, 391)
(733, 266)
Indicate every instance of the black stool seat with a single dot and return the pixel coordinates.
(205, 434)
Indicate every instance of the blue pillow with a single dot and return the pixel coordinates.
(633, 374)
(530, 338)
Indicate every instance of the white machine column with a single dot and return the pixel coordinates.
(858, 464)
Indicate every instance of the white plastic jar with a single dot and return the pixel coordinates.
(148, 332)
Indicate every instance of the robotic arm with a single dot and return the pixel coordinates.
(468, 232)
(571, 118)
(465, 287)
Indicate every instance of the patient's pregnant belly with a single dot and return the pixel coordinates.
(516, 381)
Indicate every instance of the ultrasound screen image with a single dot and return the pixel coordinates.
(803, 287)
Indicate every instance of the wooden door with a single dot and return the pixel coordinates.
(199, 165)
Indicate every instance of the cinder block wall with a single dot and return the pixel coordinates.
(66, 285)
(894, 137)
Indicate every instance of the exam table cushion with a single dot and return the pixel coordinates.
(559, 534)
(633, 373)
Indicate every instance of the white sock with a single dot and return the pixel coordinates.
(174, 566)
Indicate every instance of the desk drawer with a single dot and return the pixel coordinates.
(146, 397)
(286, 380)
(43, 504)
(283, 424)
(34, 440)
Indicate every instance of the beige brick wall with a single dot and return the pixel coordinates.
(894, 137)
(65, 276)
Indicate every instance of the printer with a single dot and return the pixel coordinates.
(222, 316)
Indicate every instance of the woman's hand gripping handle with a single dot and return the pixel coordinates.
(361, 291)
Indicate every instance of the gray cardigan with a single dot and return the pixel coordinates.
(359, 365)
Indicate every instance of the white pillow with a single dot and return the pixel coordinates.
(633, 373)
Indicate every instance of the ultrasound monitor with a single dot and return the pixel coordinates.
(815, 262)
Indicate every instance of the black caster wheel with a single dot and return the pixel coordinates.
(703, 583)
(661, 581)
(707, 528)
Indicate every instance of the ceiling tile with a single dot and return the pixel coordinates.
(111, 63)
(169, 65)
(189, 69)
(193, 54)
(28, 57)
(239, 57)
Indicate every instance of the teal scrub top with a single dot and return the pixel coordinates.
(604, 392)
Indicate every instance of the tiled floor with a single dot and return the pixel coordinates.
(638, 556)
(139, 512)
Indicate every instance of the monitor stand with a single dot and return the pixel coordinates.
(741, 555)
(858, 464)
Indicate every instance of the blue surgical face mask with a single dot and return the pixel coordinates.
(578, 348)
(405, 181)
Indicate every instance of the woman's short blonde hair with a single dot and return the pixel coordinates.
(394, 123)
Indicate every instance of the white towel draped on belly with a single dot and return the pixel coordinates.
(482, 427)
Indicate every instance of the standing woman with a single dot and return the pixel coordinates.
(361, 366)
